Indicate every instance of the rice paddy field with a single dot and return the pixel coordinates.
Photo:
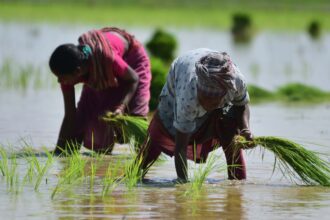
(288, 74)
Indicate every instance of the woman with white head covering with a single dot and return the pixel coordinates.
(203, 104)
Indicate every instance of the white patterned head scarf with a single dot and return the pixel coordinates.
(215, 74)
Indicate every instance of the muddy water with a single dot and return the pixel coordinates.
(263, 196)
(35, 116)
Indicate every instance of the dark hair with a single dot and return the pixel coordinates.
(65, 59)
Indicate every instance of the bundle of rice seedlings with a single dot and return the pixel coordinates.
(293, 159)
(130, 126)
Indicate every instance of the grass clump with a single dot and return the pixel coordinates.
(293, 160)
(162, 45)
(159, 70)
(297, 92)
(9, 171)
(258, 94)
(73, 173)
(289, 93)
(35, 168)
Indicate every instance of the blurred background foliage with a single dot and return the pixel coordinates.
(265, 14)
(270, 4)
(242, 18)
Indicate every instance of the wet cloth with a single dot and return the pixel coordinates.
(178, 103)
(216, 74)
(94, 103)
(103, 74)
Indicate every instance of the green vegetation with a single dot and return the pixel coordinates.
(35, 172)
(297, 92)
(314, 29)
(25, 77)
(200, 174)
(242, 28)
(292, 93)
(292, 159)
(265, 14)
(159, 72)
(162, 45)
(133, 173)
(258, 94)
(131, 127)
(112, 177)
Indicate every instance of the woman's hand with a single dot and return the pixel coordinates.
(119, 110)
(247, 134)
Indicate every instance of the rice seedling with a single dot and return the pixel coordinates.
(73, 173)
(293, 160)
(29, 173)
(12, 175)
(132, 169)
(3, 162)
(43, 170)
(8, 167)
(112, 178)
(92, 175)
(201, 172)
(95, 162)
(33, 166)
(130, 127)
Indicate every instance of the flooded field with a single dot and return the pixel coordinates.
(272, 59)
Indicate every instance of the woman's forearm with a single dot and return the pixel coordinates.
(67, 141)
(67, 138)
(243, 116)
(131, 81)
(130, 91)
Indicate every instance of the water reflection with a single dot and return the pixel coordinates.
(145, 203)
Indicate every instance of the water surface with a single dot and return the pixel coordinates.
(272, 59)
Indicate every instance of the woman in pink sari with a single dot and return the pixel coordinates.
(115, 71)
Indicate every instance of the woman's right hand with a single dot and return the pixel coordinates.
(119, 110)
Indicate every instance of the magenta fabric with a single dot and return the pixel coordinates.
(93, 103)
(119, 65)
